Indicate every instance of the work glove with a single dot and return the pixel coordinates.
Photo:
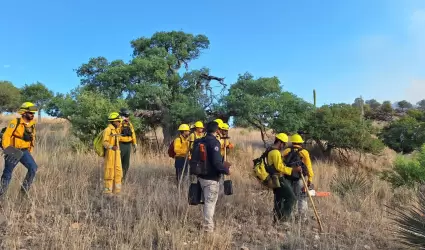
(114, 148)
(134, 148)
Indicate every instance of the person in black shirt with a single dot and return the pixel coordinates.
(210, 181)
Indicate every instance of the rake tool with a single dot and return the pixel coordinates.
(12, 154)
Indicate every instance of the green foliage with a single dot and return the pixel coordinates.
(417, 114)
(262, 104)
(86, 110)
(407, 171)
(340, 126)
(293, 113)
(151, 80)
(404, 105)
(10, 97)
(404, 135)
(373, 104)
(421, 105)
(37, 93)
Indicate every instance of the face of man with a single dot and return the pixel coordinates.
(185, 133)
(28, 115)
(199, 130)
(116, 123)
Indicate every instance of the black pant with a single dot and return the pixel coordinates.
(125, 148)
(284, 200)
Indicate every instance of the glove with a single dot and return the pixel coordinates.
(134, 148)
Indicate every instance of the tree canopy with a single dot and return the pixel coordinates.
(162, 89)
(37, 93)
(10, 97)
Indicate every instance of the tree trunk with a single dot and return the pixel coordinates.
(39, 116)
(168, 131)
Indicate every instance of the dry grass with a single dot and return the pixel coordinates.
(66, 209)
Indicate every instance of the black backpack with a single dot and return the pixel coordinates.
(198, 163)
(126, 130)
(294, 159)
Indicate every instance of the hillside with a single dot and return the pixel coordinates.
(66, 209)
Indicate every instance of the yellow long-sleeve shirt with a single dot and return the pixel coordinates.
(225, 144)
(274, 157)
(305, 155)
(109, 136)
(193, 136)
(181, 146)
(131, 138)
(15, 139)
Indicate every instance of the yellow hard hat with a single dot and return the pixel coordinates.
(219, 121)
(224, 126)
(27, 107)
(199, 124)
(184, 127)
(282, 136)
(296, 138)
(114, 116)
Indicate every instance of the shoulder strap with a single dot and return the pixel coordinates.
(265, 154)
(18, 121)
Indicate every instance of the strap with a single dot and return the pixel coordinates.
(265, 154)
(18, 121)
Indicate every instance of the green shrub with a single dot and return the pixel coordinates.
(407, 171)
(404, 135)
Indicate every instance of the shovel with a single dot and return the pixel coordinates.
(12, 154)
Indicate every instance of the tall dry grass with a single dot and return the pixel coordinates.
(66, 209)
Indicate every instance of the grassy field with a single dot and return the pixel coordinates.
(66, 209)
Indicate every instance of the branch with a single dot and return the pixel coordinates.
(209, 78)
(147, 113)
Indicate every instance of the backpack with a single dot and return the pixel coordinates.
(266, 174)
(126, 130)
(294, 159)
(98, 144)
(198, 163)
(18, 120)
(171, 152)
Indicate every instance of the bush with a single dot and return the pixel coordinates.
(409, 172)
(404, 135)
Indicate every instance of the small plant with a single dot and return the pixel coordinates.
(407, 171)
(411, 224)
(350, 181)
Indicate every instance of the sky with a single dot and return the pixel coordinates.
(343, 49)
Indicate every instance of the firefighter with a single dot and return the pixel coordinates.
(112, 163)
(127, 138)
(300, 157)
(20, 133)
(181, 149)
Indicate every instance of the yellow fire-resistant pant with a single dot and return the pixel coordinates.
(113, 171)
